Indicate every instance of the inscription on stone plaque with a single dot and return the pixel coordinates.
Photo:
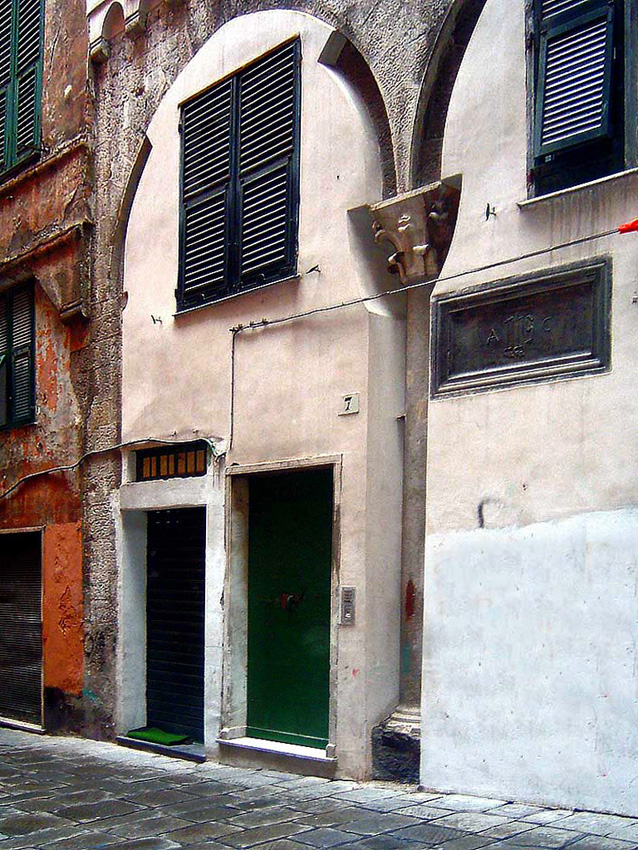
(554, 324)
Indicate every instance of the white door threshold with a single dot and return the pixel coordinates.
(21, 725)
(278, 748)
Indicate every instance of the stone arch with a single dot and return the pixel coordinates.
(343, 56)
(113, 23)
(110, 19)
(436, 90)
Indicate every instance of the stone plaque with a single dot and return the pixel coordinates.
(553, 324)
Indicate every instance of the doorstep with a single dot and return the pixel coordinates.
(257, 752)
(187, 752)
(21, 725)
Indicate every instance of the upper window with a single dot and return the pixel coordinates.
(579, 99)
(240, 181)
(17, 346)
(20, 80)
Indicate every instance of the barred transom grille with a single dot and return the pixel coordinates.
(240, 186)
(182, 460)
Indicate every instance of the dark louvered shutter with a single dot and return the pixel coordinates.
(4, 356)
(575, 73)
(28, 77)
(6, 26)
(22, 360)
(206, 174)
(240, 151)
(21, 627)
(268, 132)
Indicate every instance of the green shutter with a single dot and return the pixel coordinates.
(28, 78)
(4, 351)
(240, 149)
(573, 103)
(22, 356)
(268, 125)
(21, 24)
(6, 27)
(206, 173)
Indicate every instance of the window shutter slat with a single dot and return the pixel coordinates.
(4, 342)
(5, 44)
(205, 253)
(206, 129)
(575, 82)
(22, 324)
(29, 35)
(26, 113)
(3, 130)
(16, 357)
(556, 7)
(22, 387)
(268, 129)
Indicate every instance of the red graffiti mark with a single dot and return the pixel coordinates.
(355, 671)
(410, 600)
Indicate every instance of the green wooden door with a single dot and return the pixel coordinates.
(290, 546)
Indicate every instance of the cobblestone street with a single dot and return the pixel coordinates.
(64, 793)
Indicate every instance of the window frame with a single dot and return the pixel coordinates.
(235, 284)
(622, 154)
(11, 161)
(7, 359)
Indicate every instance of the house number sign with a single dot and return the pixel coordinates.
(554, 324)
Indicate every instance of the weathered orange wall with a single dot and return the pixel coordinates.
(62, 625)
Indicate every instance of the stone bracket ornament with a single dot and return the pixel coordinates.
(419, 225)
(109, 18)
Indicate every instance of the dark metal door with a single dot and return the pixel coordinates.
(175, 621)
(290, 554)
(21, 627)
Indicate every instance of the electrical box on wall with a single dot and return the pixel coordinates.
(348, 595)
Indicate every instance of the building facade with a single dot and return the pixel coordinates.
(339, 501)
(44, 360)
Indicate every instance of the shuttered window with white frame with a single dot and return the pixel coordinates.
(17, 357)
(575, 66)
(21, 36)
(240, 181)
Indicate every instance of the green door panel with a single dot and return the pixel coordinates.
(290, 550)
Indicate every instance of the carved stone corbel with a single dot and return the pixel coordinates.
(135, 24)
(99, 50)
(419, 225)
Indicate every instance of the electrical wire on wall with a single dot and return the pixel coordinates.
(96, 452)
(263, 323)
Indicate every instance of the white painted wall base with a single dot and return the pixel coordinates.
(530, 662)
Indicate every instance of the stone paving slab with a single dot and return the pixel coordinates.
(73, 794)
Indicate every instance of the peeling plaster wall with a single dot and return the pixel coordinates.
(44, 236)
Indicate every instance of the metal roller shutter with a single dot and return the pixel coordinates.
(21, 627)
(175, 621)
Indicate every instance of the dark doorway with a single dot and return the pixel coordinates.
(289, 568)
(175, 621)
(21, 627)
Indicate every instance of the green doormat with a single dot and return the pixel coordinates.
(158, 736)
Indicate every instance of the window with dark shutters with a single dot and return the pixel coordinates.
(240, 181)
(579, 111)
(17, 347)
(21, 25)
